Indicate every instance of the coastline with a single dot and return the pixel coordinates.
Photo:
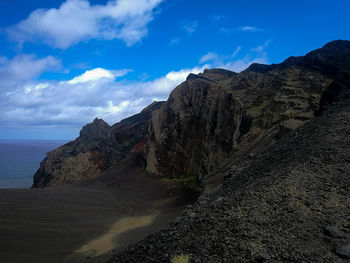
(20, 159)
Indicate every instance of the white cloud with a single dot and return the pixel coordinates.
(208, 57)
(175, 41)
(24, 68)
(77, 20)
(94, 93)
(261, 49)
(190, 26)
(162, 87)
(236, 51)
(242, 64)
(231, 62)
(217, 59)
(255, 55)
(226, 30)
(249, 29)
(98, 74)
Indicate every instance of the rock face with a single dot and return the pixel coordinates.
(98, 147)
(77, 160)
(194, 130)
(212, 120)
(219, 114)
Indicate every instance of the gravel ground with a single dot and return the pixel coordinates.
(289, 204)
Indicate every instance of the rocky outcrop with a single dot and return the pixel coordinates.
(194, 130)
(98, 147)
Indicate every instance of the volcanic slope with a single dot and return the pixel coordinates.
(290, 203)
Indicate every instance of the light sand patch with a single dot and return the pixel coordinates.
(105, 243)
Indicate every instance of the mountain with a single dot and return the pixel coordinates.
(268, 150)
(214, 118)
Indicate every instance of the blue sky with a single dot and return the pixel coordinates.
(65, 62)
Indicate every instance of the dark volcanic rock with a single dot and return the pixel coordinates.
(219, 115)
(195, 130)
(334, 231)
(98, 147)
(343, 251)
(97, 130)
(273, 206)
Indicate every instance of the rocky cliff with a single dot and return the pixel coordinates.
(98, 147)
(211, 120)
(219, 114)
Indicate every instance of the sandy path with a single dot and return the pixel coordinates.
(106, 242)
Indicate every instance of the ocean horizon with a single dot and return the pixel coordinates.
(20, 159)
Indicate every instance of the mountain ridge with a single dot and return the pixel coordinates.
(210, 118)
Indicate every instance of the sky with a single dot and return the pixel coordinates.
(65, 62)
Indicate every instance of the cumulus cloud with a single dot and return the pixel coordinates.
(96, 92)
(161, 87)
(24, 68)
(77, 20)
(98, 74)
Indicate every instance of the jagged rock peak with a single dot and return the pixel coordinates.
(259, 68)
(213, 75)
(152, 106)
(337, 44)
(98, 128)
(97, 120)
(323, 58)
(219, 71)
(192, 76)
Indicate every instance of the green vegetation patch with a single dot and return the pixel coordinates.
(180, 259)
(188, 180)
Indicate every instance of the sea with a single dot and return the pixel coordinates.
(20, 159)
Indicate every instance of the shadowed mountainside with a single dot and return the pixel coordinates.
(291, 203)
(219, 114)
(210, 119)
